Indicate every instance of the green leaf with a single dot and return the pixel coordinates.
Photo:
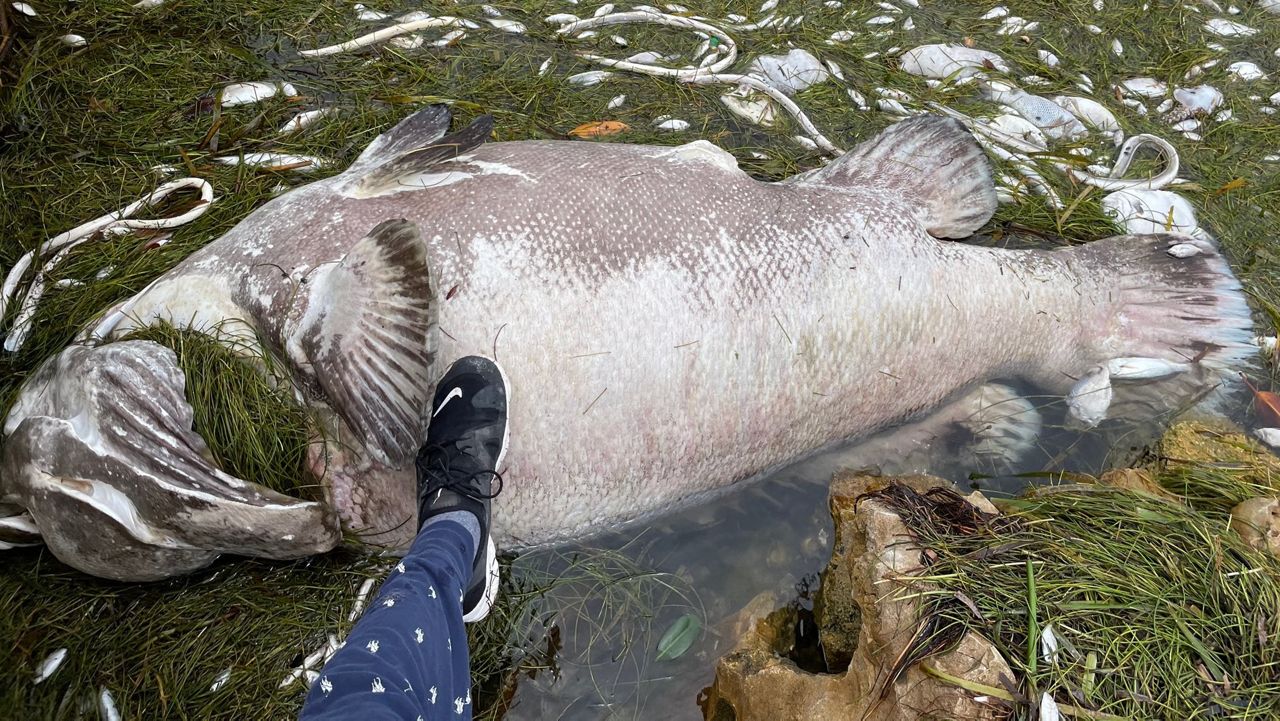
(677, 640)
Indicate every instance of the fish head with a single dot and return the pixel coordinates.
(100, 451)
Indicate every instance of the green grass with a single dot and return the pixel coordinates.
(81, 131)
(244, 409)
(1160, 611)
(159, 647)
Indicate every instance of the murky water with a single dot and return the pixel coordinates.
(773, 536)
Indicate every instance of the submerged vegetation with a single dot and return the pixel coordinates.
(84, 131)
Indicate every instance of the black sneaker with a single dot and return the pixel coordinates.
(458, 465)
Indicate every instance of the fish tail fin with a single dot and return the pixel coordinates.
(931, 161)
(1172, 299)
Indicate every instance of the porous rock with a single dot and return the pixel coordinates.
(862, 617)
(1257, 521)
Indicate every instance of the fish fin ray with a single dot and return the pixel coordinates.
(380, 388)
(1185, 310)
(420, 159)
(930, 161)
(422, 128)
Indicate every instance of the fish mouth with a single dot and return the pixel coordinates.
(100, 451)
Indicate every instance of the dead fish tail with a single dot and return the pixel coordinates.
(1171, 298)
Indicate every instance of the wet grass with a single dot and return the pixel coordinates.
(245, 409)
(82, 132)
(1159, 612)
(159, 648)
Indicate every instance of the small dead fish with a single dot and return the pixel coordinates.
(1229, 28)
(1049, 708)
(1048, 645)
(666, 122)
(1143, 369)
(220, 681)
(508, 26)
(107, 706)
(50, 665)
(361, 596)
(1090, 397)
(1269, 436)
(254, 92)
(275, 161)
(1053, 119)
(304, 119)
(589, 78)
(367, 15)
(1090, 112)
(1144, 87)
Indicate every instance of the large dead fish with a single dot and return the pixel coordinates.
(669, 326)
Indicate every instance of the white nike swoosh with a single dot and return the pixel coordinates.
(455, 393)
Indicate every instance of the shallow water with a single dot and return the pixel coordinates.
(768, 536)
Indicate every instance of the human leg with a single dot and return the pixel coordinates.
(407, 657)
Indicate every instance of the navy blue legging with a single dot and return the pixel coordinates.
(407, 657)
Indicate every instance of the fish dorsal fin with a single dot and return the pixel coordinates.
(928, 160)
(365, 333)
(388, 173)
(420, 129)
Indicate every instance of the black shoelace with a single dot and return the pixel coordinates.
(442, 477)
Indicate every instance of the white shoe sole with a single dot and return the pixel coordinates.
(493, 576)
(490, 585)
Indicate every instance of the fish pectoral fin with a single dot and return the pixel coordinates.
(420, 129)
(104, 457)
(365, 333)
(928, 160)
(389, 172)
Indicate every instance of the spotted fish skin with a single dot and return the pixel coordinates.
(670, 326)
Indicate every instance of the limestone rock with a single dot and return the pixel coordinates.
(1257, 521)
(1136, 479)
(872, 558)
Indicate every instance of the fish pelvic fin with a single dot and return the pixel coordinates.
(931, 161)
(102, 453)
(392, 168)
(365, 334)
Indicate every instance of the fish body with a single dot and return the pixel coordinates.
(669, 325)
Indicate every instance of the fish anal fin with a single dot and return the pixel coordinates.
(928, 160)
(411, 161)
(365, 334)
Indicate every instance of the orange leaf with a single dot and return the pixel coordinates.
(1236, 184)
(1266, 405)
(599, 129)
